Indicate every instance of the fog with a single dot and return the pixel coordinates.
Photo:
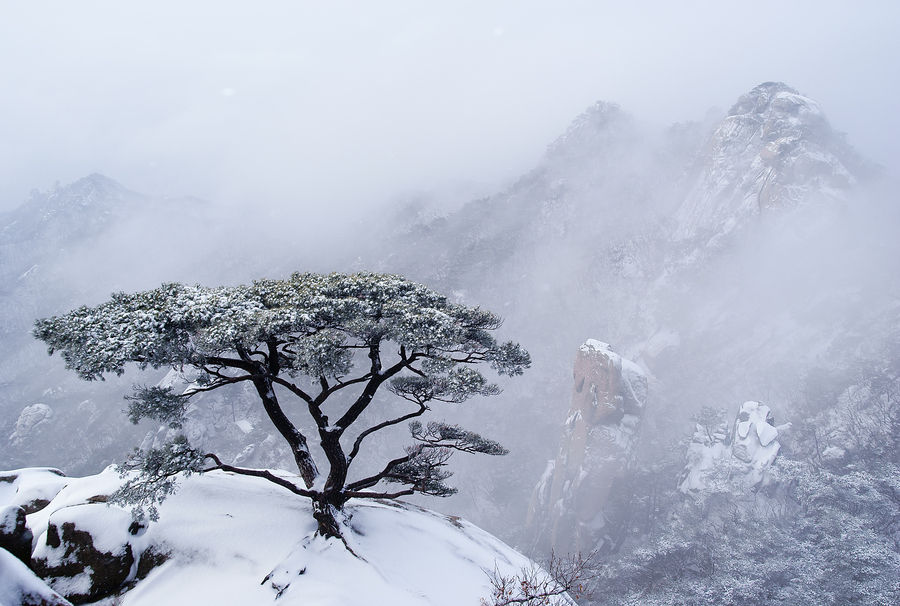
(732, 255)
(316, 108)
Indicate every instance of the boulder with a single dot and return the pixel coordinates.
(82, 548)
(740, 456)
(85, 553)
(15, 536)
(31, 421)
(32, 488)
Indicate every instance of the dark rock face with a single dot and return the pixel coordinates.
(90, 551)
(35, 505)
(86, 550)
(33, 600)
(76, 556)
(15, 537)
(150, 559)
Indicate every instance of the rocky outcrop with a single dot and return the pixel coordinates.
(30, 422)
(608, 398)
(739, 456)
(66, 534)
(755, 438)
(91, 551)
(72, 564)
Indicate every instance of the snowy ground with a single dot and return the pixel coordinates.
(18, 585)
(225, 534)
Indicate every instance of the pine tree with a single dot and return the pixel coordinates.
(300, 341)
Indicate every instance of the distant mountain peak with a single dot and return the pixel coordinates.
(598, 115)
(775, 149)
(90, 190)
(599, 126)
(765, 96)
(97, 179)
(69, 212)
(779, 111)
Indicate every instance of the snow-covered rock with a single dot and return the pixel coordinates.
(755, 433)
(744, 454)
(608, 398)
(227, 539)
(31, 488)
(30, 421)
(86, 556)
(20, 587)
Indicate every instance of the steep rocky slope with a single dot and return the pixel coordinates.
(728, 258)
(608, 398)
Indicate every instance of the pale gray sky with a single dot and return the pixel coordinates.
(325, 104)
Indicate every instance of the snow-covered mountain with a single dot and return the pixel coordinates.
(727, 257)
(37, 237)
(63, 248)
(67, 214)
(774, 150)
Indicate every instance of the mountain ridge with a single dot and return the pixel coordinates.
(574, 248)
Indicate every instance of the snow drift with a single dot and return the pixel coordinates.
(225, 539)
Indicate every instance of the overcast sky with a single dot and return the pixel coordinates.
(326, 104)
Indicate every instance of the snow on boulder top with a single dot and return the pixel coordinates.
(595, 345)
(31, 487)
(236, 540)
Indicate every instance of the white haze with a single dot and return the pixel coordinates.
(311, 111)
(300, 124)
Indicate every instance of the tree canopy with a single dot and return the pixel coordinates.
(300, 340)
